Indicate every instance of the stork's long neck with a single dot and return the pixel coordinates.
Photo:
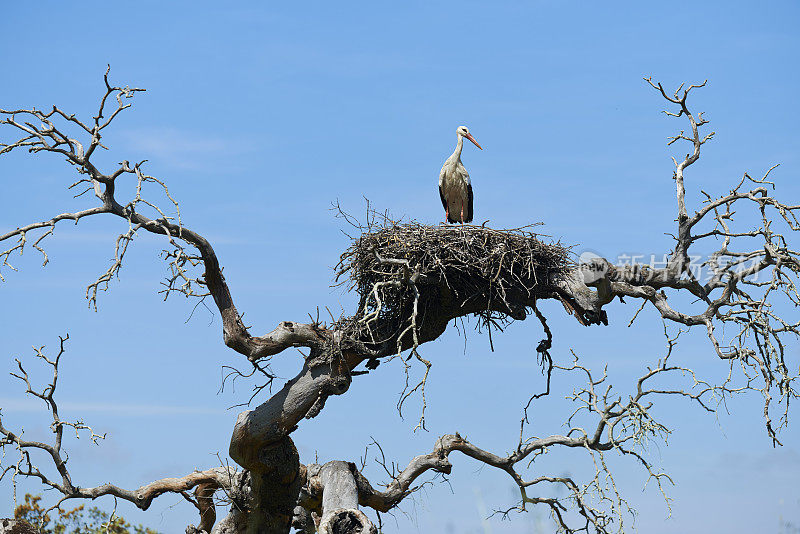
(459, 146)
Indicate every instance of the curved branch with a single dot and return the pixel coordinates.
(219, 477)
(620, 427)
(47, 136)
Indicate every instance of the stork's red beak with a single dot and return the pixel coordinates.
(469, 136)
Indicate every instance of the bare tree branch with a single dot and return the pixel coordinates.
(41, 132)
(624, 427)
(24, 466)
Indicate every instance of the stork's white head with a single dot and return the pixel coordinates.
(462, 131)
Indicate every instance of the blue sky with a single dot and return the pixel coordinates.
(260, 115)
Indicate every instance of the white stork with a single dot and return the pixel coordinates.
(455, 188)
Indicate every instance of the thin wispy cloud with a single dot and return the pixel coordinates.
(184, 149)
(29, 405)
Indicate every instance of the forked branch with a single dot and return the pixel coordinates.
(48, 132)
(613, 425)
(24, 466)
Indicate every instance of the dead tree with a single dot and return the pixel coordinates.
(413, 280)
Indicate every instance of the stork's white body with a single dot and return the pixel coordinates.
(455, 188)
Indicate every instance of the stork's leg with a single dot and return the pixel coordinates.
(462, 213)
(447, 215)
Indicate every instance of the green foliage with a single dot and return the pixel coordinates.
(75, 521)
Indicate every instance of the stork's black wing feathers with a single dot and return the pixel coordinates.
(469, 204)
(450, 216)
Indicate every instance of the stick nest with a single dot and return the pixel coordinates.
(401, 268)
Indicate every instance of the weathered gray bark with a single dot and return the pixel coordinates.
(340, 514)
